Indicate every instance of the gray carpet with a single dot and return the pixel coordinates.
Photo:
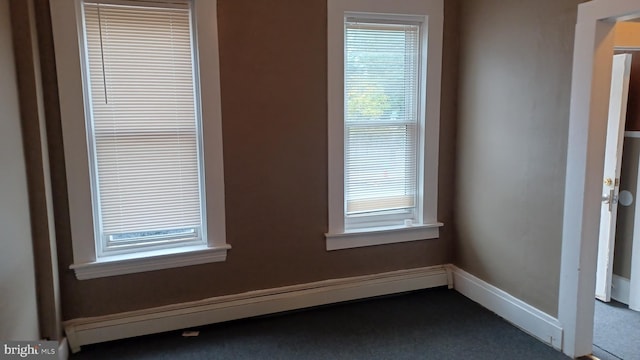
(616, 333)
(428, 324)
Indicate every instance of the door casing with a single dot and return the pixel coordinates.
(591, 82)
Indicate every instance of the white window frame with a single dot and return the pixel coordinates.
(67, 29)
(427, 225)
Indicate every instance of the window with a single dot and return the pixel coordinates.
(384, 95)
(143, 128)
(154, 200)
(380, 121)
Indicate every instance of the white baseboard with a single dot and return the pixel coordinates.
(620, 289)
(218, 309)
(528, 318)
(63, 350)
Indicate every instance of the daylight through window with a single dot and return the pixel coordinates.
(382, 62)
(144, 126)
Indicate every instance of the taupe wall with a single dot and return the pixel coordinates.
(627, 38)
(513, 121)
(18, 311)
(627, 34)
(274, 106)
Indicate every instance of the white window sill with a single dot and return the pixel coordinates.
(382, 235)
(150, 260)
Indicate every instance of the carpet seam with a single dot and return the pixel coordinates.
(608, 352)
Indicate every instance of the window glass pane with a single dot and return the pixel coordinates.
(144, 137)
(381, 116)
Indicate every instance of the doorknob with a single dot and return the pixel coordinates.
(610, 199)
(608, 181)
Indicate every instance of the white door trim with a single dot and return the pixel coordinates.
(620, 289)
(591, 79)
(634, 279)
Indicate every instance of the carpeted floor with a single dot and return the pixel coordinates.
(429, 324)
(616, 333)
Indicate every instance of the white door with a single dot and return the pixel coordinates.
(612, 161)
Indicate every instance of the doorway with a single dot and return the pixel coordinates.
(616, 325)
(591, 79)
(616, 283)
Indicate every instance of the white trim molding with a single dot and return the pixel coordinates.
(150, 260)
(63, 349)
(620, 287)
(66, 25)
(591, 80)
(91, 330)
(526, 317)
(632, 134)
(431, 13)
(370, 237)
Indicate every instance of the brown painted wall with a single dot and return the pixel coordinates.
(633, 105)
(274, 106)
(515, 72)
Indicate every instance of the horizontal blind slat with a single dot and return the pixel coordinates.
(381, 116)
(141, 83)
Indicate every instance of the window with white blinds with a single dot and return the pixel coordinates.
(143, 124)
(381, 121)
(384, 65)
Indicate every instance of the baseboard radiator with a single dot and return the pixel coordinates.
(91, 330)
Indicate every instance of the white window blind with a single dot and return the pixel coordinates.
(144, 126)
(382, 62)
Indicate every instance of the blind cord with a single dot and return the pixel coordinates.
(104, 76)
